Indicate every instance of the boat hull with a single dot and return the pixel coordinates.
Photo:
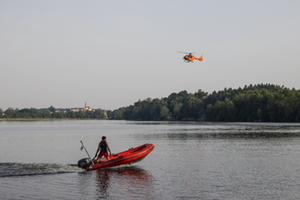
(126, 157)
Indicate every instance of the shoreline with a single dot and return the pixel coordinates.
(44, 119)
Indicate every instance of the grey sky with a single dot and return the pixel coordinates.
(110, 54)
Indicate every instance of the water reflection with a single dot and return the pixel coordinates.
(133, 182)
(102, 182)
(223, 131)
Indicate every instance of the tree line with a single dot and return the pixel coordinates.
(261, 102)
(51, 112)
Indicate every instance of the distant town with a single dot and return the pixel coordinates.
(85, 112)
(78, 109)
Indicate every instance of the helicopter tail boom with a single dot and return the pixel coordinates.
(201, 58)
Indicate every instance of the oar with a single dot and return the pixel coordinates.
(87, 152)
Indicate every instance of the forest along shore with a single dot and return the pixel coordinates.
(253, 103)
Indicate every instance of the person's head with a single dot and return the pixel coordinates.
(103, 137)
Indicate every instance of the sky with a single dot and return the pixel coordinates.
(111, 54)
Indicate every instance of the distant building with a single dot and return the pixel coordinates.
(85, 108)
(89, 108)
(77, 109)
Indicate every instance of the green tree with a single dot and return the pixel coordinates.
(99, 114)
(52, 109)
(45, 113)
(164, 113)
(118, 113)
(9, 113)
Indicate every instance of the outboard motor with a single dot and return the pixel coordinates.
(84, 163)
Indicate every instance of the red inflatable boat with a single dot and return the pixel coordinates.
(126, 157)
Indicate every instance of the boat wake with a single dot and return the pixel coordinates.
(29, 169)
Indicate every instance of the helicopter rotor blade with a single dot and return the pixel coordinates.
(183, 52)
(186, 52)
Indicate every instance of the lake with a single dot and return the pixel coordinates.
(191, 160)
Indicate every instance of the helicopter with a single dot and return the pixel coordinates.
(190, 57)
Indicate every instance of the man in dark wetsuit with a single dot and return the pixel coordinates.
(103, 147)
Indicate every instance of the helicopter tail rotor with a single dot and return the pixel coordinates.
(201, 58)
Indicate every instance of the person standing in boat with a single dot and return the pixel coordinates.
(103, 147)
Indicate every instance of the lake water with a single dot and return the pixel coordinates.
(191, 160)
